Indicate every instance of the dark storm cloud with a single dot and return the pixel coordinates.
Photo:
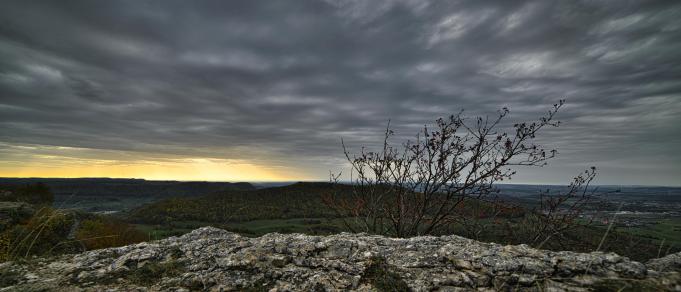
(283, 81)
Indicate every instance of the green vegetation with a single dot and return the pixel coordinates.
(103, 232)
(46, 232)
(301, 200)
(29, 226)
(50, 232)
(299, 208)
(584, 238)
(108, 194)
(35, 193)
(667, 230)
(11, 213)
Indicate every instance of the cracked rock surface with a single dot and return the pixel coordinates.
(211, 259)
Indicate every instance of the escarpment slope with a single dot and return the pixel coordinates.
(217, 260)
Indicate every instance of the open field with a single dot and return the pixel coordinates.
(667, 230)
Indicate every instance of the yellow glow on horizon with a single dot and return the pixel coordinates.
(30, 160)
(179, 169)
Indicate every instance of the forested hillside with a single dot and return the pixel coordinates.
(300, 200)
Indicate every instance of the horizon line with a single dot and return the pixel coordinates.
(317, 181)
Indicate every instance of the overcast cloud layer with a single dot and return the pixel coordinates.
(279, 82)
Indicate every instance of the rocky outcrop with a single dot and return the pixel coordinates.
(216, 260)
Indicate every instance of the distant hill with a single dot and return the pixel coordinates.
(109, 195)
(127, 187)
(299, 200)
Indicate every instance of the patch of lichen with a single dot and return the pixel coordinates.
(261, 285)
(152, 272)
(9, 277)
(382, 276)
(625, 285)
(147, 274)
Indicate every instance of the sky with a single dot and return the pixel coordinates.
(265, 90)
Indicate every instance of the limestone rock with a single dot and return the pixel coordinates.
(211, 259)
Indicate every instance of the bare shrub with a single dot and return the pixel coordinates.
(558, 212)
(445, 177)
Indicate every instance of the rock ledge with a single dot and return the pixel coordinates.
(217, 260)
